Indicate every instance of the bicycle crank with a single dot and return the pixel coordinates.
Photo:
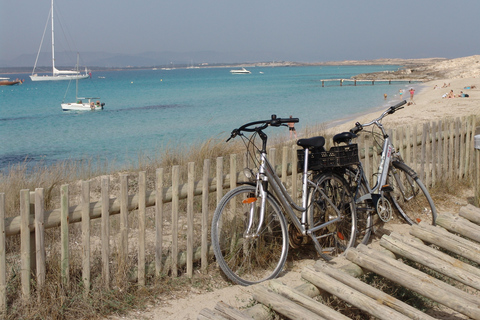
(384, 208)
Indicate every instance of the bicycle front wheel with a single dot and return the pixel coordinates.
(246, 252)
(331, 205)
(409, 196)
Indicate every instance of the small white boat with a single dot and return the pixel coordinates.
(240, 71)
(80, 105)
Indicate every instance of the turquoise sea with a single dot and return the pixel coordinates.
(147, 110)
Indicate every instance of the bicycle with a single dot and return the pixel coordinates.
(250, 232)
(395, 183)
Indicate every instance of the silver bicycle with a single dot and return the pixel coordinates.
(397, 185)
(254, 223)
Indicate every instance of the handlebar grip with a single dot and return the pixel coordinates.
(396, 107)
(358, 127)
(276, 122)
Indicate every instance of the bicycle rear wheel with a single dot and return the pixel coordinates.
(409, 196)
(328, 200)
(248, 257)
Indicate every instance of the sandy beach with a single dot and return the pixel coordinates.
(428, 105)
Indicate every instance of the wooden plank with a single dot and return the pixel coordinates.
(175, 208)
(350, 295)
(452, 270)
(282, 305)
(207, 314)
(446, 240)
(191, 181)
(408, 151)
(459, 225)
(294, 173)
(418, 244)
(219, 179)
(230, 313)
(415, 280)
(105, 233)
(366, 164)
(65, 254)
(85, 201)
(434, 153)
(414, 148)
(123, 234)
(423, 153)
(3, 264)
(446, 151)
(142, 211)
(471, 213)
(457, 148)
(374, 293)
(284, 165)
(40, 238)
(451, 150)
(305, 301)
(158, 221)
(205, 220)
(428, 156)
(25, 243)
(462, 146)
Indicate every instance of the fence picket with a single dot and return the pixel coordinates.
(105, 226)
(65, 254)
(85, 203)
(175, 207)
(191, 181)
(158, 221)
(142, 195)
(205, 220)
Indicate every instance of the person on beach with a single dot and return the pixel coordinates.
(400, 92)
(291, 129)
(412, 92)
(384, 96)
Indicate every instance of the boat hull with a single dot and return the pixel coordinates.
(59, 77)
(80, 107)
(9, 83)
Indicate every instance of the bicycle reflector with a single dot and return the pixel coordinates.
(340, 235)
(249, 200)
(419, 220)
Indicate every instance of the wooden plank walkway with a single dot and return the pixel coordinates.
(354, 82)
(459, 236)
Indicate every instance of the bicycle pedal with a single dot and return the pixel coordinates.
(387, 188)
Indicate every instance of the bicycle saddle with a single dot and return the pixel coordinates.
(315, 142)
(345, 137)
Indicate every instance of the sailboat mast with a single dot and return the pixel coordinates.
(53, 45)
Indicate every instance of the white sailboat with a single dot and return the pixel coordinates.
(56, 74)
(82, 104)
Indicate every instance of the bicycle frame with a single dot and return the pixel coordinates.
(267, 176)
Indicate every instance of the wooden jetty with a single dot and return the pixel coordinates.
(353, 82)
(459, 236)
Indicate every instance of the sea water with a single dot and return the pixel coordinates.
(149, 110)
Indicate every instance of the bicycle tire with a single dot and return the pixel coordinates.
(363, 208)
(249, 260)
(335, 238)
(410, 196)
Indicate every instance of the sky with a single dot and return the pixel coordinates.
(301, 30)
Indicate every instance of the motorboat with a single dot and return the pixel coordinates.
(240, 71)
(8, 82)
(56, 74)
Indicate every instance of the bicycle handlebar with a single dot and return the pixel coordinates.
(359, 127)
(262, 124)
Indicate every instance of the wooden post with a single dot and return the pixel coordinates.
(105, 226)
(142, 192)
(219, 179)
(159, 222)
(205, 220)
(65, 255)
(175, 207)
(477, 171)
(284, 165)
(191, 182)
(294, 172)
(123, 235)
(40, 237)
(85, 237)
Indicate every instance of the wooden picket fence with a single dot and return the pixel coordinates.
(171, 221)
